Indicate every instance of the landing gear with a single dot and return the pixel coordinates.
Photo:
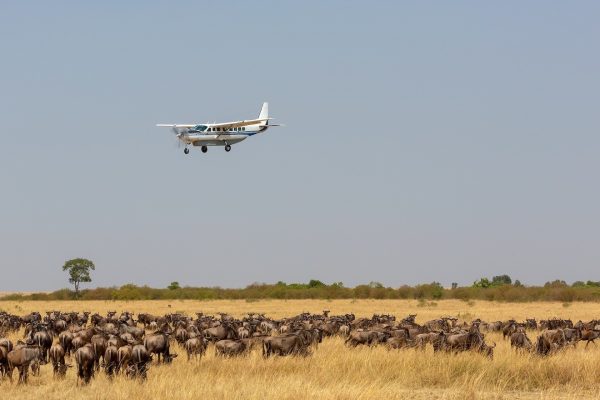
(204, 149)
(186, 150)
(227, 148)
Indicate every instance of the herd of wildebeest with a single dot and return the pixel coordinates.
(126, 344)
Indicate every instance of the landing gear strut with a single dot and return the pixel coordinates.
(204, 149)
(186, 150)
(227, 148)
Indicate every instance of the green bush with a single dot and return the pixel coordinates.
(482, 290)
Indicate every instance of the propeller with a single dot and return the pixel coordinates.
(178, 136)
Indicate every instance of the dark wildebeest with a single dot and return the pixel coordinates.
(111, 360)
(140, 357)
(21, 358)
(65, 339)
(284, 345)
(77, 342)
(365, 337)
(399, 342)
(550, 341)
(99, 343)
(531, 323)
(228, 348)
(124, 357)
(589, 335)
(472, 340)
(43, 339)
(572, 335)
(85, 358)
(3, 361)
(422, 339)
(57, 358)
(510, 328)
(520, 341)
(221, 332)
(158, 343)
(181, 335)
(195, 347)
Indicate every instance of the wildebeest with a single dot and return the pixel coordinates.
(289, 344)
(422, 339)
(65, 339)
(3, 361)
(399, 342)
(111, 360)
(223, 331)
(368, 338)
(194, 347)
(22, 358)
(85, 358)
(473, 340)
(228, 348)
(57, 359)
(158, 343)
(43, 339)
(140, 357)
(123, 357)
(519, 340)
(589, 335)
(550, 340)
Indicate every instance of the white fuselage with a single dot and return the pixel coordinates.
(206, 135)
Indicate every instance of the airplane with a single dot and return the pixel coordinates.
(221, 134)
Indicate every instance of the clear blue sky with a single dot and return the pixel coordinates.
(425, 141)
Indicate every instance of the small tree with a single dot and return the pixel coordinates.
(501, 280)
(313, 283)
(482, 283)
(79, 271)
(174, 285)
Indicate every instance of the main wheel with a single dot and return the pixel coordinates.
(186, 150)
(227, 147)
(204, 149)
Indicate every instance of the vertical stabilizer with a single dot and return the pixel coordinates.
(264, 112)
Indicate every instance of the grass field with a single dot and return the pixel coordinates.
(337, 372)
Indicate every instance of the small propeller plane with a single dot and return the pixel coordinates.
(220, 134)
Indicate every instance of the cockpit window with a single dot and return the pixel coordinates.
(200, 128)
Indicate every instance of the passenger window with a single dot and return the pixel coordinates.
(243, 128)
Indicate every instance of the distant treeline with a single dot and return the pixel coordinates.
(499, 288)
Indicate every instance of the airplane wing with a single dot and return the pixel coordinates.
(235, 124)
(177, 125)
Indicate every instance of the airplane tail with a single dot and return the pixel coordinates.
(264, 113)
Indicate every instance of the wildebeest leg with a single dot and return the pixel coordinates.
(35, 368)
(23, 373)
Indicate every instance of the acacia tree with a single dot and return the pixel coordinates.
(79, 271)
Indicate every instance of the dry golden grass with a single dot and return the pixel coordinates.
(336, 372)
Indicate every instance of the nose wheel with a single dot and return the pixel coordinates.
(204, 149)
(227, 148)
(186, 151)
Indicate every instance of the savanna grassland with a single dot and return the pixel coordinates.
(335, 371)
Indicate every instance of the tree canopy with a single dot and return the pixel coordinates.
(79, 271)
